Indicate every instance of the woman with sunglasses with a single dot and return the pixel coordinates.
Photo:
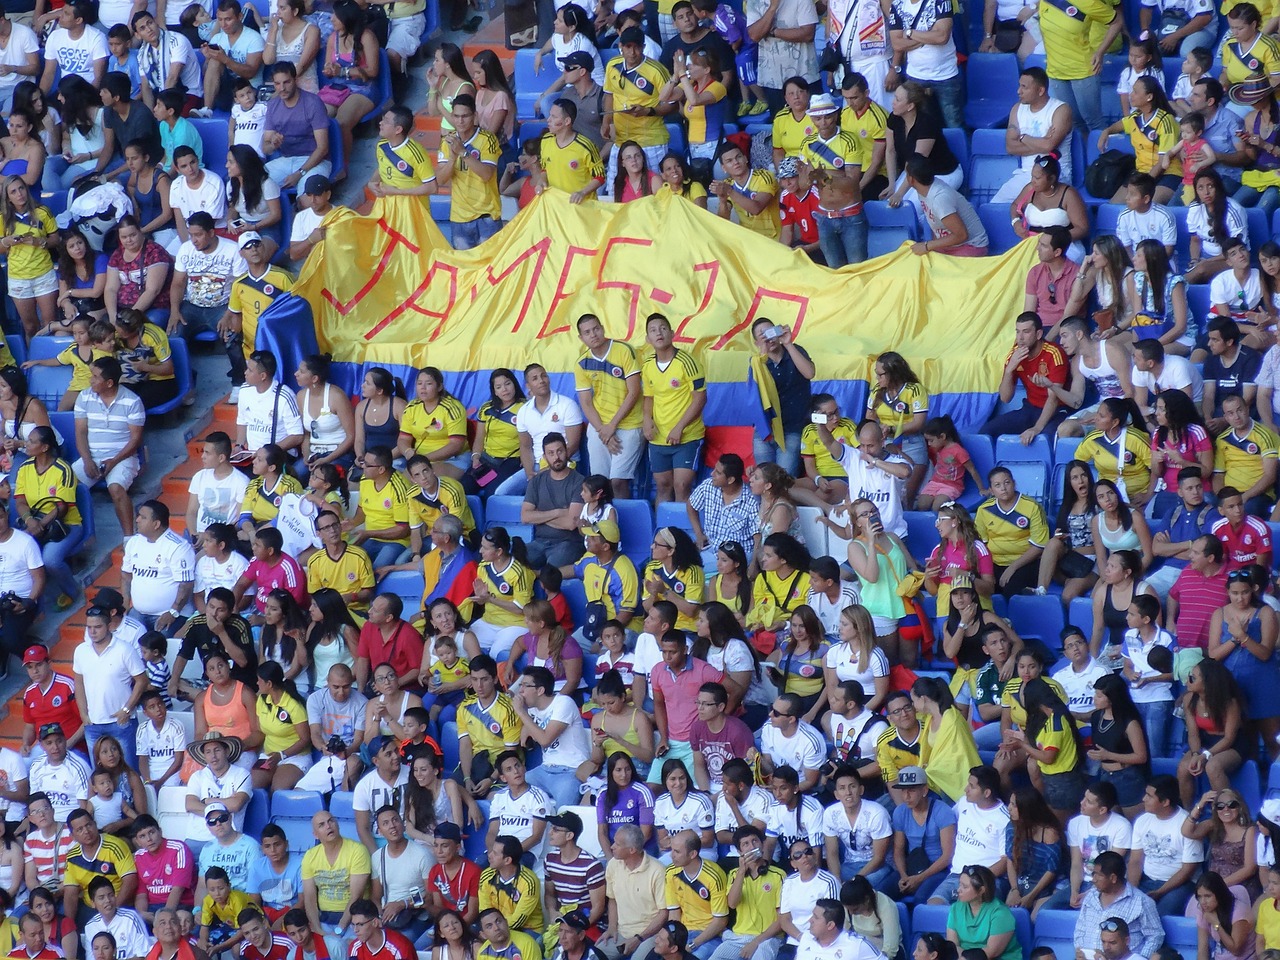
(1216, 738)
(1231, 837)
(977, 920)
(1242, 637)
(1049, 202)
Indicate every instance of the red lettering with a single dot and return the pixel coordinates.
(411, 302)
(632, 288)
(541, 248)
(396, 239)
(712, 269)
(560, 289)
(763, 294)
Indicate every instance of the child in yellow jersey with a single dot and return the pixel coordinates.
(1050, 738)
(220, 910)
(78, 356)
(450, 675)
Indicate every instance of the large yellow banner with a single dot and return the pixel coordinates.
(388, 288)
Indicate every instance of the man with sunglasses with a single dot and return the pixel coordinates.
(251, 293)
(1115, 902)
(230, 849)
(807, 886)
(790, 741)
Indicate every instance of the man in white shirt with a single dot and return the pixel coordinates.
(20, 55)
(1162, 862)
(544, 412)
(519, 810)
(382, 786)
(158, 574)
(195, 189)
(554, 721)
(1038, 125)
(216, 782)
(22, 580)
(739, 803)
(872, 475)
(786, 739)
(1098, 827)
(75, 47)
(110, 680)
(62, 776)
(827, 938)
(166, 58)
(314, 203)
(829, 595)
(858, 833)
(234, 51)
(203, 269)
(981, 818)
(399, 871)
(1145, 219)
(125, 924)
(265, 411)
(1155, 371)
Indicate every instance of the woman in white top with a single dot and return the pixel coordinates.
(1211, 218)
(573, 32)
(88, 139)
(1048, 202)
(328, 419)
(292, 39)
(681, 809)
(253, 198)
(721, 642)
(219, 563)
(857, 657)
(384, 713)
(1108, 273)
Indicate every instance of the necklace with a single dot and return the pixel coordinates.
(1105, 725)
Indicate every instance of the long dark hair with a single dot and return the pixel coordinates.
(66, 265)
(384, 380)
(620, 179)
(253, 174)
(1270, 284)
(1159, 100)
(468, 938)
(335, 615)
(273, 673)
(24, 95)
(495, 78)
(294, 620)
(1217, 208)
(419, 801)
(515, 382)
(1213, 883)
(575, 15)
(1220, 689)
(451, 53)
(789, 550)
(722, 626)
(1158, 270)
(611, 789)
(1034, 814)
(513, 546)
(1069, 498)
(1116, 690)
(79, 100)
(1180, 413)
(1122, 507)
(738, 556)
(1037, 694)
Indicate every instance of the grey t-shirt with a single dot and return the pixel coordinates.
(943, 201)
(545, 492)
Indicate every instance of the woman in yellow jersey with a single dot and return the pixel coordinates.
(1118, 450)
(495, 451)
(675, 574)
(781, 585)
(696, 83)
(144, 354)
(796, 665)
(28, 236)
(900, 404)
(270, 482)
(1250, 61)
(731, 584)
(1050, 738)
(435, 425)
(282, 717)
(1153, 131)
(676, 179)
(792, 123)
(504, 585)
(44, 490)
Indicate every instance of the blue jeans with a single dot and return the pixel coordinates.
(560, 782)
(1207, 38)
(56, 556)
(1155, 723)
(1084, 97)
(884, 879)
(766, 451)
(126, 734)
(196, 319)
(1173, 903)
(1267, 200)
(843, 239)
(474, 232)
(949, 96)
(987, 736)
(383, 552)
(705, 950)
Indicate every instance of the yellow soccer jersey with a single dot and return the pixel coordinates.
(846, 431)
(1239, 459)
(615, 584)
(606, 381)
(250, 296)
(1248, 74)
(56, 483)
(1151, 139)
(672, 386)
(501, 439)
(261, 505)
(387, 506)
(1008, 533)
(1130, 462)
(472, 196)
(449, 498)
(700, 898)
(789, 133)
(491, 729)
(1066, 27)
(350, 573)
(871, 128)
(840, 151)
(572, 167)
(686, 584)
(514, 584)
(759, 184)
(432, 429)
(896, 411)
(636, 87)
(405, 166)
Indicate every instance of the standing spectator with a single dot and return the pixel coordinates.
(783, 31)
(21, 55)
(109, 420)
(607, 378)
(469, 162)
(675, 394)
(158, 570)
(295, 131)
(675, 687)
(1070, 42)
(633, 107)
(920, 34)
(110, 680)
(787, 366)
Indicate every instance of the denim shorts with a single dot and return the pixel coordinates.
(682, 456)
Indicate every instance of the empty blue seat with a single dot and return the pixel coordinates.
(381, 89)
(1022, 929)
(576, 596)
(42, 348)
(532, 130)
(55, 201)
(1055, 929)
(635, 522)
(408, 585)
(1259, 227)
(888, 227)
(958, 141)
(1064, 448)
(676, 140)
(988, 78)
(1199, 303)
(449, 746)
(673, 514)
(1039, 616)
(922, 532)
(17, 347)
(477, 510)
(1032, 479)
(342, 806)
(295, 805)
(297, 834)
(1181, 934)
(214, 144)
(995, 218)
(1246, 783)
(49, 383)
(929, 918)
(181, 373)
(502, 510)
(255, 812)
(1108, 217)
(1080, 614)
(990, 165)
(981, 452)
(1009, 449)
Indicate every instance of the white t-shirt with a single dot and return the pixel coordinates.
(13, 770)
(1116, 833)
(696, 814)
(846, 946)
(203, 785)
(211, 572)
(296, 521)
(249, 125)
(829, 613)
(373, 793)
(128, 929)
(107, 677)
(209, 272)
(1236, 220)
(255, 411)
(1157, 223)
(882, 489)
(1176, 373)
(1164, 848)
(979, 835)
(856, 839)
(77, 56)
(402, 874)
(840, 659)
(209, 195)
(804, 750)
(1136, 652)
(1239, 297)
(515, 815)
(270, 191)
(19, 555)
(573, 747)
(162, 745)
(854, 739)
(219, 499)
(22, 43)
(754, 807)
(788, 826)
(799, 897)
(561, 412)
(66, 784)
(1079, 686)
(305, 220)
(157, 570)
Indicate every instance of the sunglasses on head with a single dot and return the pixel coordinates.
(1238, 576)
(1110, 926)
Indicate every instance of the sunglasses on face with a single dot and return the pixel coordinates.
(807, 851)
(774, 712)
(1227, 805)
(219, 818)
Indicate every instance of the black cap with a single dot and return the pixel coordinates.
(317, 184)
(50, 730)
(109, 599)
(448, 831)
(568, 820)
(633, 36)
(574, 919)
(579, 58)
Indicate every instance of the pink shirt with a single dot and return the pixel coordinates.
(948, 465)
(948, 554)
(680, 693)
(286, 575)
(1198, 597)
(1194, 442)
(172, 866)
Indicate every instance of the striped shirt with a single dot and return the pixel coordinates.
(281, 947)
(736, 520)
(110, 424)
(49, 854)
(574, 880)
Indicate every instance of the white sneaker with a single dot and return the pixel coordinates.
(235, 396)
(202, 112)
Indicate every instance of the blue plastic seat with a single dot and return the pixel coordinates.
(1080, 614)
(1064, 448)
(1032, 479)
(502, 510)
(255, 813)
(49, 383)
(531, 130)
(922, 532)
(1199, 303)
(181, 373)
(958, 141)
(1259, 227)
(576, 596)
(1055, 929)
(1039, 616)
(673, 514)
(981, 452)
(337, 154)
(528, 84)
(56, 201)
(449, 746)
(1107, 219)
(1009, 449)
(1273, 781)
(213, 141)
(342, 806)
(84, 503)
(64, 425)
(295, 805)
(381, 89)
(676, 139)
(1246, 783)
(995, 219)
(408, 585)
(1181, 934)
(297, 834)
(1022, 929)
(43, 348)
(929, 918)
(888, 227)
(988, 78)
(17, 347)
(635, 522)
(990, 165)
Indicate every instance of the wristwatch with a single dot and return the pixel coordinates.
(173, 612)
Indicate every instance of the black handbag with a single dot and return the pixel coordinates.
(1007, 36)
(55, 531)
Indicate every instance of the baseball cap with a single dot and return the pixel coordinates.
(448, 831)
(109, 598)
(216, 807)
(603, 528)
(574, 919)
(633, 36)
(567, 821)
(788, 168)
(821, 104)
(912, 777)
(248, 237)
(51, 730)
(317, 184)
(36, 653)
(579, 58)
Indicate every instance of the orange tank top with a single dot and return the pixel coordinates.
(231, 720)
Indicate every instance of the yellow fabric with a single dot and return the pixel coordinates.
(250, 298)
(351, 572)
(1240, 458)
(767, 387)
(112, 860)
(1056, 735)
(846, 431)
(699, 899)
(606, 381)
(478, 724)
(1268, 925)
(501, 439)
(278, 722)
(471, 195)
(26, 261)
(686, 584)
(948, 753)
(211, 911)
(333, 881)
(1007, 534)
(1151, 139)
(1067, 36)
(871, 127)
(377, 300)
(520, 900)
(450, 497)
(1017, 712)
(789, 133)
(1105, 456)
(70, 357)
(761, 900)
(768, 221)
(572, 167)
(411, 167)
(514, 583)
(385, 507)
(432, 429)
(58, 482)
(261, 506)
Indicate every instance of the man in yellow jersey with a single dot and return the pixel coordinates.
(487, 725)
(1066, 26)
(607, 378)
(1015, 530)
(633, 107)
(753, 194)
(250, 296)
(404, 167)
(469, 160)
(675, 391)
(340, 566)
(835, 160)
(567, 160)
(823, 475)
(867, 120)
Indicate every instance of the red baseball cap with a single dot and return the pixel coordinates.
(36, 653)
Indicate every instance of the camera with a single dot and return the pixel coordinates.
(11, 605)
(337, 746)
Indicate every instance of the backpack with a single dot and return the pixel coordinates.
(1108, 173)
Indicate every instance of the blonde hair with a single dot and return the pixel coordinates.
(859, 617)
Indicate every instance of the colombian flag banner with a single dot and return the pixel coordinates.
(389, 289)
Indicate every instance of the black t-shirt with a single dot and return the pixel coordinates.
(200, 639)
(712, 43)
(139, 124)
(941, 159)
(795, 398)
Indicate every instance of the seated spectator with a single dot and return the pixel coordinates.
(145, 358)
(253, 198)
(204, 267)
(334, 871)
(124, 925)
(858, 834)
(947, 749)
(924, 835)
(696, 892)
(1116, 916)
(1222, 914)
(511, 888)
(503, 585)
(1237, 293)
(1039, 128)
(1053, 274)
(1144, 218)
(500, 940)
(195, 188)
(624, 801)
(1028, 358)
(1211, 219)
(979, 920)
(1245, 538)
(1241, 637)
(315, 194)
(1231, 837)
(137, 274)
(233, 51)
(621, 727)
(295, 131)
(1215, 743)
(292, 38)
(487, 726)
(1099, 825)
(1245, 458)
(957, 230)
(126, 121)
(981, 821)
(44, 496)
(95, 856)
(1163, 858)
(175, 131)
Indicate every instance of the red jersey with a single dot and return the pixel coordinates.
(48, 952)
(320, 948)
(1049, 361)
(395, 946)
(286, 575)
(281, 947)
(1249, 544)
(54, 705)
(456, 890)
(799, 211)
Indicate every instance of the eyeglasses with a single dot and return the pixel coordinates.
(1227, 805)
(253, 243)
(217, 818)
(1236, 576)
(806, 852)
(904, 709)
(328, 526)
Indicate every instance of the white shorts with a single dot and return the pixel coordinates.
(122, 474)
(495, 640)
(302, 761)
(41, 286)
(405, 34)
(619, 466)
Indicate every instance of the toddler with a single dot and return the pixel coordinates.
(597, 501)
(154, 649)
(950, 461)
(78, 356)
(1194, 66)
(1195, 152)
(110, 812)
(450, 676)
(247, 117)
